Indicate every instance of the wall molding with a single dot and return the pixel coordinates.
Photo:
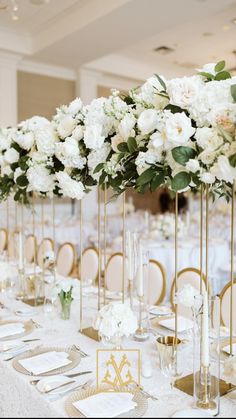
(35, 67)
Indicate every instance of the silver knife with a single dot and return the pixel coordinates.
(60, 386)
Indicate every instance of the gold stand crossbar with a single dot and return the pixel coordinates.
(185, 384)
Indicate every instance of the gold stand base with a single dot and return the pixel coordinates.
(208, 405)
(91, 333)
(185, 384)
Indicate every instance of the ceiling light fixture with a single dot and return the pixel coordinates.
(13, 6)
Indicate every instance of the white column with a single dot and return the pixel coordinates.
(8, 88)
(87, 84)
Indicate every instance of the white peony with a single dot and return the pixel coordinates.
(66, 126)
(11, 156)
(208, 138)
(223, 170)
(207, 157)
(207, 178)
(126, 125)
(179, 128)
(70, 187)
(5, 141)
(46, 138)
(34, 123)
(182, 91)
(93, 137)
(147, 121)
(186, 296)
(25, 140)
(193, 165)
(40, 179)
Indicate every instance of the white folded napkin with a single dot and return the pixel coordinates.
(183, 324)
(45, 362)
(106, 405)
(11, 329)
(227, 349)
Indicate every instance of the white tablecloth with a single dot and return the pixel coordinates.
(19, 399)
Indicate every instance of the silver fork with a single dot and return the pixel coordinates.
(82, 353)
(36, 324)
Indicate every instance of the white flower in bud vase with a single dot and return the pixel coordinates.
(66, 126)
(207, 178)
(11, 156)
(147, 121)
(179, 128)
(193, 165)
(70, 187)
(186, 296)
(93, 137)
(223, 170)
(46, 138)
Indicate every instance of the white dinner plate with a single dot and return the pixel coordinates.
(192, 413)
(53, 382)
(160, 311)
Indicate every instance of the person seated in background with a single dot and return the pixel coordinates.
(167, 203)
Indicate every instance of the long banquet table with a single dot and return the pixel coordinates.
(20, 399)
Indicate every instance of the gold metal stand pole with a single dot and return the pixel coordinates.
(43, 241)
(105, 242)
(99, 249)
(81, 257)
(176, 268)
(124, 249)
(54, 237)
(232, 269)
(8, 228)
(207, 236)
(33, 220)
(201, 238)
(16, 217)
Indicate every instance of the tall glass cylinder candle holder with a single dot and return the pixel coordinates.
(142, 333)
(207, 353)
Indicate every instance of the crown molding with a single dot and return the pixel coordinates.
(15, 42)
(49, 70)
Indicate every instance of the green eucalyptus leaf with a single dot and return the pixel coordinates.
(233, 92)
(183, 154)
(220, 66)
(161, 81)
(208, 76)
(222, 75)
(180, 181)
(98, 168)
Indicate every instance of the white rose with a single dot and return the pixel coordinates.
(208, 138)
(223, 170)
(147, 121)
(70, 187)
(208, 68)
(207, 157)
(66, 126)
(158, 138)
(46, 138)
(115, 141)
(126, 126)
(207, 177)
(11, 156)
(182, 91)
(25, 141)
(93, 137)
(179, 128)
(193, 165)
(75, 106)
(40, 179)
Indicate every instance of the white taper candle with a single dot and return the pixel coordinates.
(205, 332)
(140, 284)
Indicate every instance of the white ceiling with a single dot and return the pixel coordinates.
(118, 36)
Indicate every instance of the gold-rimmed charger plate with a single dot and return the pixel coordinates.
(137, 412)
(28, 326)
(74, 357)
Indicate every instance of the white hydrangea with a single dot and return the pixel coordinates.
(5, 141)
(69, 154)
(25, 140)
(207, 178)
(145, 159)
(34, 123)
(223, 170)
(66, 126)
(11, 156)
(46, 138)
(97, 119)
(40, 179)
(186, 296)
(75, 106)
(97, 156)
(70, 187)
(93, 136)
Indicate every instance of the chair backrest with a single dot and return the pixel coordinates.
(3, 240)
(190, 276)
(13, 245)
(114, 273)
(30, 248)
(90, 265)
(225, 296)
(45, 246)
(66, 259)
(156, 283)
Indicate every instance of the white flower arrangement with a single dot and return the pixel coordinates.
(164, 226)
(230, 370)
(115, 320)
(186, 296)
